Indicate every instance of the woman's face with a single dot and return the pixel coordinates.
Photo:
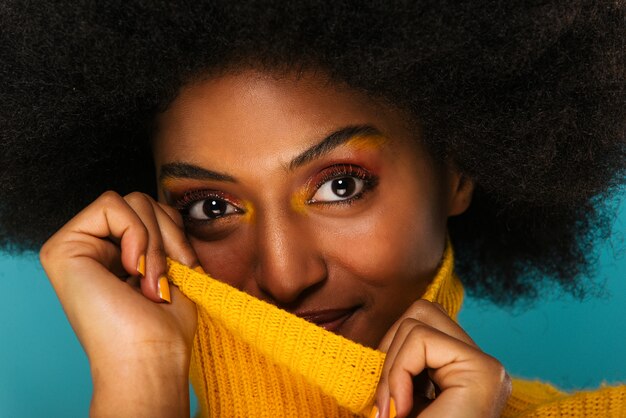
(309, 195)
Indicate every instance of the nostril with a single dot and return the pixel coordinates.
(287, 292)
(292, 301)
(286, 283)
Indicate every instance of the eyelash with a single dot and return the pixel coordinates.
(190, 198)
(345, 170)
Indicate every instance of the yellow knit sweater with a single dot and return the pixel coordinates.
(252, 359)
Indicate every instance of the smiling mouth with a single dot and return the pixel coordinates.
(329, 319)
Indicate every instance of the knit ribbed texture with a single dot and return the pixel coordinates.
(252, 359)
(534, 399)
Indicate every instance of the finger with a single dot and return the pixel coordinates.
(170, 241)
(481, 392)
(84, 248)
(405, 331)
(383, 394)
(400, 368)
(175, 242)
(152, 285)
(112, 260)
(432, 314)
(466, 375)
(420, 313)
(449, 325)
(91, 234)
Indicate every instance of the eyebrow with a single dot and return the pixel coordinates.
(331, 142)
(326, 145)
(185, 170)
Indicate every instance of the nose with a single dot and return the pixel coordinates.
(289, 263)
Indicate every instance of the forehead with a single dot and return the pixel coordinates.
(238, 115)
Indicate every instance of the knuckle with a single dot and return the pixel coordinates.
(500, 372)
(396, 376)
(439, 306)
(422, 308)
(420, 332)
(109, 197)
(147, 198)
(142, 230)
(497, 371)
(136, 197)
(51, 249)
(174, 214)
(55, 254)
(156, 250)
(422, 303)
(46, 252)
(414, 329)
(495, 366)
(419, 307)
(408, 325)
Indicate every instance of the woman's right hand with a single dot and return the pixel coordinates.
(107, 266)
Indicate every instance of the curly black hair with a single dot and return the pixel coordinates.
(527, 98)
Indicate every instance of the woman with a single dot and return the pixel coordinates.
(315, 157)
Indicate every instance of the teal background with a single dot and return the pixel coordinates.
(573, 344)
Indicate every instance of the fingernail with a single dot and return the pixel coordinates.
(392, 409)
(141, 265)
(199, 269)
(164, 289)
(374, 413)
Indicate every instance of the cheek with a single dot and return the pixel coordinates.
(225, 260)
(388, 247)
(386, 251)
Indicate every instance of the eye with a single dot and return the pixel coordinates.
(210, 209)
(337, 189)
(206, 205)
(343, 183)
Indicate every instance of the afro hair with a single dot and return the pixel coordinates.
(526, 98)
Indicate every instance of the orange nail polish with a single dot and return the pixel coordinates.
(141, 265)
(164, 290)
(392, 409)
(374, 413)
(199, 269)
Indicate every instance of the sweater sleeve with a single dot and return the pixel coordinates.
(534, 399)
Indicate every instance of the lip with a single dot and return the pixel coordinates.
(329, 319)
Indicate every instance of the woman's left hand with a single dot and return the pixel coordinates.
(428, 352)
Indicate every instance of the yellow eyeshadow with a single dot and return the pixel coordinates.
(248, 216)
(299, 199)
(367, 141)
(167, 183)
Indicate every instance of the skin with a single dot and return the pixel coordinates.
(208, 126)
(250, 142)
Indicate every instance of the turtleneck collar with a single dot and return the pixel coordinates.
(251, 358)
